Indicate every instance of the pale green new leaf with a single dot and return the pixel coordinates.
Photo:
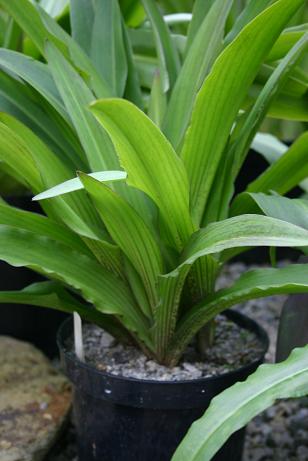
(76, 184)
(235, 407)
(150, 162)
(129, 232)
(223, 93)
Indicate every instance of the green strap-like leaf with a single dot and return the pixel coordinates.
(252, 9)
(82, 18)
(107, 48)
(19, 160)
(21, 102)
(41, 27)
(253, 284)
(41, 225)
(285, 173)
(36, 74)
(241, 231)
(169, 63)
(107, 292)
(199, 12)
(150, 162)
(53, 295)
(132, 90)
(224, 184)
(77, 96)
(22, 150)
(223, 93)
(158, 101)
(235, 407)
(129, 232)
(285, 42)
(195, 68)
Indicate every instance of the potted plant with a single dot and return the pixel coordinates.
(136, 246)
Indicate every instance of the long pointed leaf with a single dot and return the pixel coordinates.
(129, 232)
(107, 47)
(253, 284)
(169, 63)
(104, 290)
(150, 162)
(234, 408)
(223, 93)
(194, 70)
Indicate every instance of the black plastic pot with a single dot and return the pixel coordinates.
(28, 323)
(127, 419)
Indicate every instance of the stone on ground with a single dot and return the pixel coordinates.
(35, 400)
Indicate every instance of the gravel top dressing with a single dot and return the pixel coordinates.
(279, 433)
(233, 348)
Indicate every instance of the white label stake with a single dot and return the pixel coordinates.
(79, 351)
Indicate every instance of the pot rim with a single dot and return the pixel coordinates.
(244, 321)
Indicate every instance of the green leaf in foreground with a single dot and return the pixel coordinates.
(150, 162)
(235, 407)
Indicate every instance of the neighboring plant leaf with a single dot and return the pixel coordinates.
(269, 146)
(235, 407)
(294, 211)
